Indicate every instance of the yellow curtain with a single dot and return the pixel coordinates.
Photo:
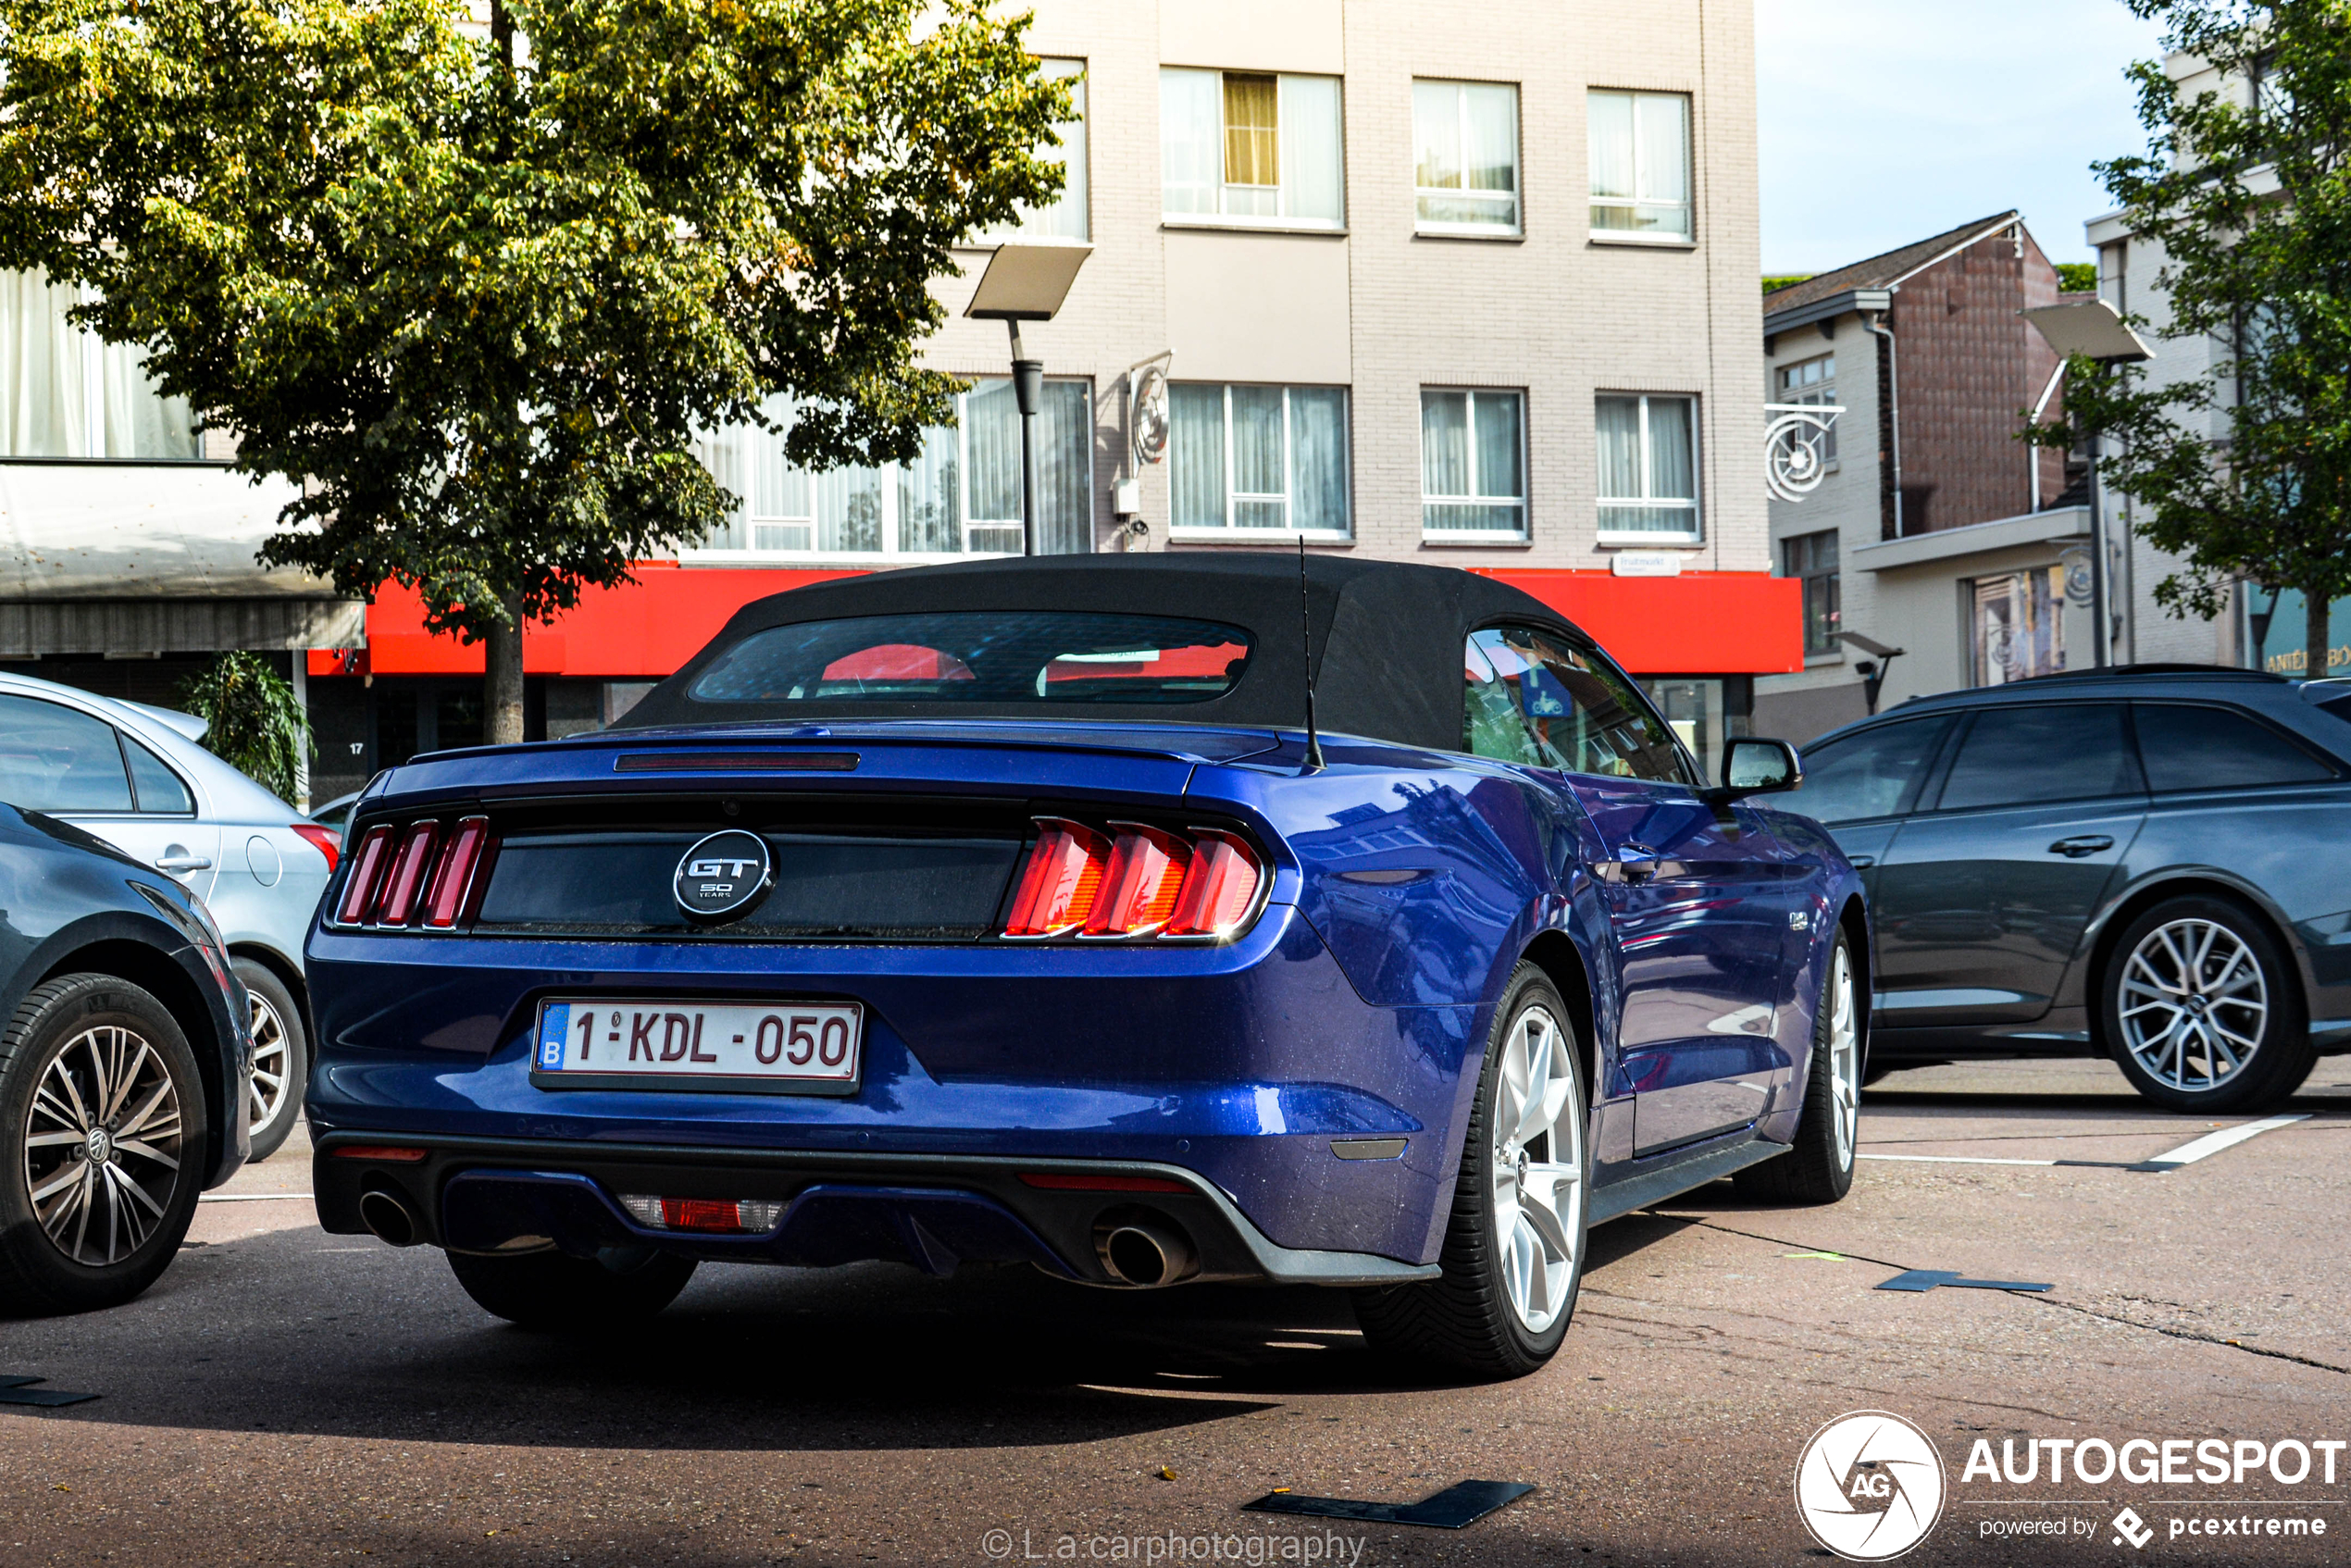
(1252, 140)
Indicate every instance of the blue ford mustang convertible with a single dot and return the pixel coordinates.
(1019, 913)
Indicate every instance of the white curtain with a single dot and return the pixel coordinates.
(1499, 446)
(991, 432)
(1259, 465)
(1313, 172)
(1065, 470)
(1620, 434)
(1445, 450)
(1191, 129)
(1611, 146)
(1436, 136)
(1492, 113)
(1663, 143)
(66, 394)
(929, 511)
(1318, 458)
(1673, 472)
(1066, 218)
(1197, 414)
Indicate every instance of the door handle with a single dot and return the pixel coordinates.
(1861, 862)
(183, 861)
(1637, 862)
(2087, 844)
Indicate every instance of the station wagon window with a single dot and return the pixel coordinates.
(975, 656)
(1536, 699)
(1872, 774)
(2049, 751)
(55, 759)
(2188, 746)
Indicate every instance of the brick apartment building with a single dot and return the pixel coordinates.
(1462, 282)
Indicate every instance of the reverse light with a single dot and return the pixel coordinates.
(1139, 883)
(454, 875)
(326, 841)
(1059, 885)
(1219, 888)
(722, 1216)
(406, 880)
(368, 866)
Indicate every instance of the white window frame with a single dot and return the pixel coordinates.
(1516, 226)
(1820, 394)
(1030, 225)
(1693, 504)
(890, 549)
(1479, 536)
(1283, 219)
(1689, 173)
(1232, 533)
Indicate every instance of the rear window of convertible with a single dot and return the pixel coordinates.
(982, 656)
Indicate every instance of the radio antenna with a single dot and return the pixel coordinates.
(1306, 640)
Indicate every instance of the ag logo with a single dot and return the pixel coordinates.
(1868, 1485)
(723, 877)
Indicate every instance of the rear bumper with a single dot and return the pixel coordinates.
(932, 1212)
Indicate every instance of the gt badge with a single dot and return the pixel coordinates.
(723, 877)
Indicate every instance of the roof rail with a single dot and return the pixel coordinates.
(2216, 672)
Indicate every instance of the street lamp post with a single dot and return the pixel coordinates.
(2094, 329)
(1026, 283)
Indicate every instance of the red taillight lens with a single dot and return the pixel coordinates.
(454, 875)
(393, 1152)
(1058, 885)
(1218, 889)
(1139, 884)
(326, 841)
(701, 1214)
(407, 879)
(366, 876)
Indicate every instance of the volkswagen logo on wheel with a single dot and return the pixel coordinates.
(1868, 1485)
(723, 877)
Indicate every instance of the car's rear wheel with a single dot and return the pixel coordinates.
(280, 1058)
(1515, 1246)
(552, 1290)
(2201, 1009)
(102, 1127)
(1818, 1167)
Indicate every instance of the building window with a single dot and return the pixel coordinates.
(1812, 384)
(1811, 559)
(66, 392)
(1259, 459)
(2018, 627)
(1648, 469)
(1465, 157)
(1246, 148)
(1066, 218)
(1473, 465)
(1640, 146)
(960, 497)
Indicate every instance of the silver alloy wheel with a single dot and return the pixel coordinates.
(2194, 1005)
(1844, 1056)
(102, 1145)
(1537, 1172)
(272, 1064)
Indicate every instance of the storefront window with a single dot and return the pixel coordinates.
(2017, 629)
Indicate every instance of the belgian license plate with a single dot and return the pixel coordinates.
(777, 1047)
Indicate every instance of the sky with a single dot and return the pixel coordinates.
(1885, 121)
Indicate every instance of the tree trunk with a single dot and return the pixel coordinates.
(502, 696)
(2314, 633)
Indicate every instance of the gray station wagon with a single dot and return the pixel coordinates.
(2151, 864)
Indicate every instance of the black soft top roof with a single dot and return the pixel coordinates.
(1386, 637)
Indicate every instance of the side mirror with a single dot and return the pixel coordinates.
(1752, 767)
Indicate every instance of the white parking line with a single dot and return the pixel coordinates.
(1953, 1160)
(252, 1196)
(2227, 1138)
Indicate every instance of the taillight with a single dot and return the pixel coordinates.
(407, 879)
(1057, 889)
(1202, 884)
(1139, 885)
(1219, 888)
(326, 841)
(454, 875)
(367, 875)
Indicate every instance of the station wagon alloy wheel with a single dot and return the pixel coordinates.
(102, 1146)
(1845, 1054)
(2195, 1004)
(1537, 1169)
(271, 1069)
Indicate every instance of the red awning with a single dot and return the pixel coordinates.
(1700, 623)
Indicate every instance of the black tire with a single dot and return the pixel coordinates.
(1465, 1321)
(280, 1051)
(100, 1033)
(2162, 1060)
(1818, 1167)
(554, 1292)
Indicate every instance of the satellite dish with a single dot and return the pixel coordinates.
(1151, 416)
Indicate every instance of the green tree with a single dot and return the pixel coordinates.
(476, 293)
(2244, 471)
(256, 723)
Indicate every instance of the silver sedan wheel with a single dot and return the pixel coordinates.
(272, 1064)
(1537, 1171)
(102, 1145)
(2194, 1005)
(1844, 1056)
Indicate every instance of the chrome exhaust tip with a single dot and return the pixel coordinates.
(1144, 1249)
(388, 1218)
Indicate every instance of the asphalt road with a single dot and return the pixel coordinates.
(288, 1397)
